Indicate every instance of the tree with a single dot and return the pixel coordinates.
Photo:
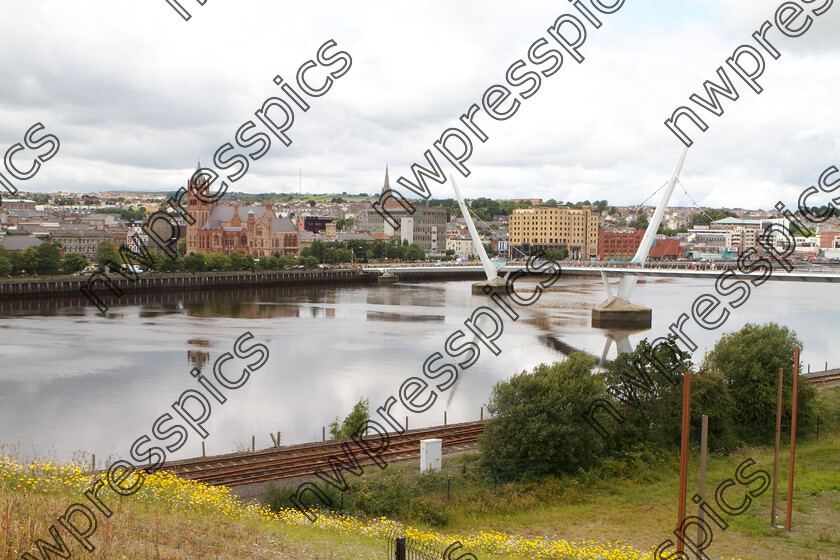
(155, 260)
(316, 249)
(309, 262)
(106, 252)
(706, 218)
(646, 385)
(267, 263)
(195, 262)
(641, 222)
(342, 224)
(540, 415)
(353, 423)
(5, 266)
(312, 202)
(73, 262)
(170, 264)
(551, 202)
(218, 261)
(414, 253)
(553, 254)
(49, 258)
(27, 260)
(749, 362)
(240, 261)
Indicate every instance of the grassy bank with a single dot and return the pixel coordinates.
(615, 512)
(167, 519)
(631, 500)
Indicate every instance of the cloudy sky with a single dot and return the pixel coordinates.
(136, 95)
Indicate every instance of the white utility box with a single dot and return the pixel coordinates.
(430, 453)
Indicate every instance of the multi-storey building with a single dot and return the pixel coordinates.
(255, 230)
(544, 227)
(745, 233)
(80, 240)
(830, 240)
(17, 204)
(623, 246)
(426, 227)
(463, 247)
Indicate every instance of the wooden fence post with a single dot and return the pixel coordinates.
(776, 453)
(704, 450)
(793, 436)
(686, 416)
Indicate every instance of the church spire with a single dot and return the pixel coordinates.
(387, 186)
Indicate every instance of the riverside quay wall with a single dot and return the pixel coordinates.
(111, 289)
(117, 285)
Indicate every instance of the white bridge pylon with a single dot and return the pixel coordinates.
(628, 281)
(489, 269)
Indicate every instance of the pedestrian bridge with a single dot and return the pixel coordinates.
(802, 273)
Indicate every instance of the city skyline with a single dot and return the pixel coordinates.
(594, 130)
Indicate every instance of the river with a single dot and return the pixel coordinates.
(76, 380)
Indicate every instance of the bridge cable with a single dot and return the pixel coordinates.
(695, 202)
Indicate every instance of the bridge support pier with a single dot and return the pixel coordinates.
(496, 285)
(618, 312)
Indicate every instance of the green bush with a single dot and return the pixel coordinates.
(195, 262)
(72, 262)
(749, 362)
(540, 416)
(827, 405)
(354, 421)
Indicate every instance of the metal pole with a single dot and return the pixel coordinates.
(704, 449)
(793, 437)
(684, 455)
(776, 455)
(400, 555)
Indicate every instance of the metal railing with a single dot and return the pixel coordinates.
(403, 548)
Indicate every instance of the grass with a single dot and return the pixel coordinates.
(611, 513)
(167, 519)
(632, 501)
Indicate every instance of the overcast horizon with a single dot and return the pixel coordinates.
(136, 95)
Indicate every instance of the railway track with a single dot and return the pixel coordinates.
(306, 459)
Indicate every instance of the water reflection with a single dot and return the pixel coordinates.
(82, 380)
(198, 358)
(402, 317)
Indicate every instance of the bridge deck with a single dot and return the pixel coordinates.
(670, 270)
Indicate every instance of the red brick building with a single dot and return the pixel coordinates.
(254, 230)
(623, 246)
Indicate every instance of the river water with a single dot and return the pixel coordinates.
(72, 379)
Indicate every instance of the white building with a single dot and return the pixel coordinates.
(463, 247)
